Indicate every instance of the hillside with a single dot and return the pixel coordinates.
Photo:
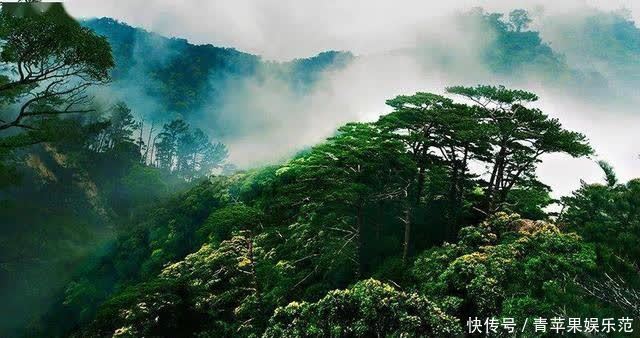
(365, 234)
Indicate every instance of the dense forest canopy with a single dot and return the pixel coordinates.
(118, 223)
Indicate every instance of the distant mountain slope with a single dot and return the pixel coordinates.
(162, 77)
(604, 42)
(182, 77)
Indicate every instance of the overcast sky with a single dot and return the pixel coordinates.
(285, 29)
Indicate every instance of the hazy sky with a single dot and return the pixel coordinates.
(285, 29)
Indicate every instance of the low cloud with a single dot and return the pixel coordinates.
(402, 47)
(286, 29)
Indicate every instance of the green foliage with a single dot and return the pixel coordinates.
(335, 184)
(438, 134)
(485, 94)
(138, 310)
(222, 223)
(122, 125)
(208, 293)
(34, 33)
(507, 267)
(141, 251)
(145, 186)
(529, 201)
(610, 175)
(367, 309)
(608, 216)
(49, 62)
(518, 136)
(188, 153)
(287, 250)
(54, 213)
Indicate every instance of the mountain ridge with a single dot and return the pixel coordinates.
(182, 73)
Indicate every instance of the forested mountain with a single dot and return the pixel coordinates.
(382, 229)
(605, 41)
(182, 78)
(176, 77)
(64, 201)
(122, 215)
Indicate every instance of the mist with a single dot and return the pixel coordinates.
(287, 29)
(400, 49)
(274, 123)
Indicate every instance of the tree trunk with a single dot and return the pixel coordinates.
(407, 234)
(457, 194)
(496, 178)
(360, 241)
(253, 263)
(140, 142)
(453, 203)
(420, 185)
(412, 201)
